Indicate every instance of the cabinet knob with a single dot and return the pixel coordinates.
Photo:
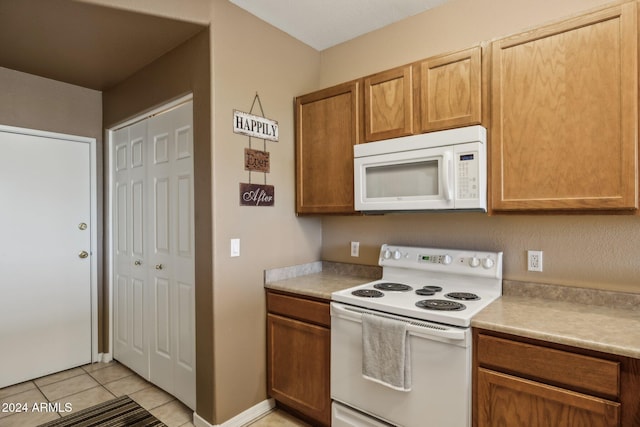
(159, 266)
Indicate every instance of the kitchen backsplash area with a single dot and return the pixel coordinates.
(600, 297)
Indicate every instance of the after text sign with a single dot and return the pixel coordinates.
(256, 195)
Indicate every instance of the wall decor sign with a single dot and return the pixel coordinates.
(256, 195)
(256, 160)
(255, 126)
(252, 194)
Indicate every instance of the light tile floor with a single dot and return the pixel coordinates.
(83, 387)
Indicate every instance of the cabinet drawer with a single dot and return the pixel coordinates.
(299, 308)
(515, 402)
(570, 370)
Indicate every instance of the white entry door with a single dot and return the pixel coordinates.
(153, 257)
(45, 253)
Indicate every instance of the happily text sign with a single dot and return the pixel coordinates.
(255, 126)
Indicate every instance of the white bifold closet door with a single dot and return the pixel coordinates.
(153, 256)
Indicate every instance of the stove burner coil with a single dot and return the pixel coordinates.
(387, 286)
(367, 293)
(428, 290)
(441, 305)
(463, 296)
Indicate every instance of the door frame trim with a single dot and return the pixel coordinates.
(110, 201)
(93, 235)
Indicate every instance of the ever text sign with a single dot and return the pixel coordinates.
(255, 126)
(256, 160)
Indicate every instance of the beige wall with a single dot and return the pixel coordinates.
(250, 56)
(34, 102)
(590, 251)
(456, 25)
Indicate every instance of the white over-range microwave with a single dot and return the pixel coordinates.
(444, 170)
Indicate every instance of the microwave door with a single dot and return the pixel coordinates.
(413, 180)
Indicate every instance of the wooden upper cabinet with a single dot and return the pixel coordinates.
(327, 126)
(388, 104)
(564, 115)
(451, 90)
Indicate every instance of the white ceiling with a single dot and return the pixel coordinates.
(325, 23)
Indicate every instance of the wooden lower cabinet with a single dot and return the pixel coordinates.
(519, 382)
(506, 400)
(298, 356)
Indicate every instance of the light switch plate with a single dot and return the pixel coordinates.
(235, 247)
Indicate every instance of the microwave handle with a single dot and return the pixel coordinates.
(447, 176)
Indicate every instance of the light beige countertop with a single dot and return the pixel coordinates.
(593, 324)
(319, 280)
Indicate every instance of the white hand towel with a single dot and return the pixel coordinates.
(385, 352)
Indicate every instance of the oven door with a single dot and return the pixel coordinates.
(441, 373)
(406, 180)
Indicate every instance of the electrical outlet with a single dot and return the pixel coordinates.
(534, 260)
(355, 249)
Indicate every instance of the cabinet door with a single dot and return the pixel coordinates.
(504, 400)
(451, 90)
(327, 124)
(298, 364)
(388, 104)
(564, 114)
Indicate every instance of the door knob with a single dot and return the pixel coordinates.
(159, 266)
(83, 254)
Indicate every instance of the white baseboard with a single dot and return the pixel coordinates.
(243, 418)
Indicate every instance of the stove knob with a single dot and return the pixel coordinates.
(487, 263)
(474, 262)
(386, 254)
(397, 254)
(446, 259)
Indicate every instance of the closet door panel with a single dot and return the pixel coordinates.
(131, 341)
(153, 231)
(172, 254)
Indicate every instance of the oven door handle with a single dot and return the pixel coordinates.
(415, 327)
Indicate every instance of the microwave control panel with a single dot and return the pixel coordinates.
(468, 186)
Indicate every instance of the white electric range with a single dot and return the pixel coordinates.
(435, 293)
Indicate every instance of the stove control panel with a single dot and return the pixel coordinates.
(435, 259)
(474, 263)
